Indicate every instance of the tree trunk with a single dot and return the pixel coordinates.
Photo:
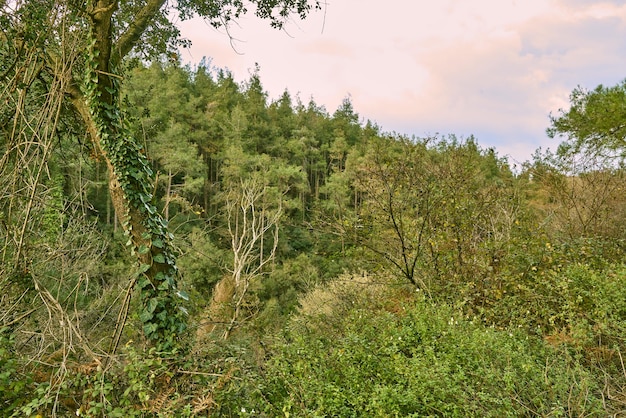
(130, 181)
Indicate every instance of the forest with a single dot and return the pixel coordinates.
(176, 243)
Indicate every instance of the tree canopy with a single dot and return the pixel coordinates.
(594, 123)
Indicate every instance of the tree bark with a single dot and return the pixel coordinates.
(128, 168)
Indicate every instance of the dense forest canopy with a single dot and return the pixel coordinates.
(176, 243)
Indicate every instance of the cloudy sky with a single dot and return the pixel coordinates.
(491, 68)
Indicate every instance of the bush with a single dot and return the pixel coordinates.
(585, 302)
(12, 383)
(415, 358)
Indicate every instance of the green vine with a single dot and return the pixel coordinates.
(162, 318)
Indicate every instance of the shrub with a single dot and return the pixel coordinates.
(12, 383)
(415, 358)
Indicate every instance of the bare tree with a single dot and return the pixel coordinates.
(253, 221)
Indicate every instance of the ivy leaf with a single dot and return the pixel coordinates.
(162, 316)
(109, 114)
(143, 268)
(134, 174)
(149, 329)
(143, 282)
(152, 304)
(183, 295)
(158, 243)
(159, 258)
(143, 249)
(145, 316)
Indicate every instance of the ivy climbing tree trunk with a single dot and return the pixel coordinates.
(115, 28)
(130, 175)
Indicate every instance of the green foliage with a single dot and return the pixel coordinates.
(136, 388)
(413, 358)
(435, 211)
(276, 11)
(202, 262)
(162, 320)
(279, 292)
(567, 289)
(175, 125)
(580, 196)
(516, 306)
(594, 122)
(13, 382)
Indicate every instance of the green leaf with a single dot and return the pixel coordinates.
(143, 282)
(158, 243)
(183, 295)
(143, 249)
(143, 268)
(152, 304)
(145, 315)
(159, 258)
(162, 316)
(149, 329)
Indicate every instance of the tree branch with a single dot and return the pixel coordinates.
(106, 9)
(137, 27)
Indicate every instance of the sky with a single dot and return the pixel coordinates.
(495, 69)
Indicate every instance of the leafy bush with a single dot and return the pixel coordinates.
(560, 293)
(415, 358)
(12, 383)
